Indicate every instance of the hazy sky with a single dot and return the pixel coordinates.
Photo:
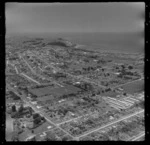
(74, 17)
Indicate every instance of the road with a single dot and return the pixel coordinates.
(138, 136)
(40, 76)
(29, 78)
(16, 70)
(112, 123)
(127, 83)
(26, 76)
(27, 64)
(73, 119)
(32, 70)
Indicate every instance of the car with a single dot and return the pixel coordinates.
(34, 102)
(49, 127)
(38, 107)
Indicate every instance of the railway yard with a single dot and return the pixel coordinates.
(58, 92)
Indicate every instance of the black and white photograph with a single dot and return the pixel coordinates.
(74, 71)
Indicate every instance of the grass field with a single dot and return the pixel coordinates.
(67, 89)
(110, 94)
(135, 87)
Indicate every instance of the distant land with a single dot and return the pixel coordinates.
(110, 42)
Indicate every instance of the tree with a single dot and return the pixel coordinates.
(123, 67)
(37, 121)
(13, 108)
(42, 118)
(21, 108)
(124, 94)
(30, 111)
(130, 67)
(124, 129)
(36, 115)
(119, 76)
(107, 90)
(98, 92)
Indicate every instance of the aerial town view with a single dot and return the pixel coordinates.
(59, 89)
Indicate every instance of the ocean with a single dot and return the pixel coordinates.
(110, 42)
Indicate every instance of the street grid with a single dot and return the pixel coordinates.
(23, 97)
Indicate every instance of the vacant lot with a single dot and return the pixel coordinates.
(110, 94)
(140, 67)
(135, 87)
(67, 89)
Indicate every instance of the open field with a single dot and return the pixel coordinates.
(56, 91)
(135, 87)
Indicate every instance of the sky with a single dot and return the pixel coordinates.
(74, 17)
